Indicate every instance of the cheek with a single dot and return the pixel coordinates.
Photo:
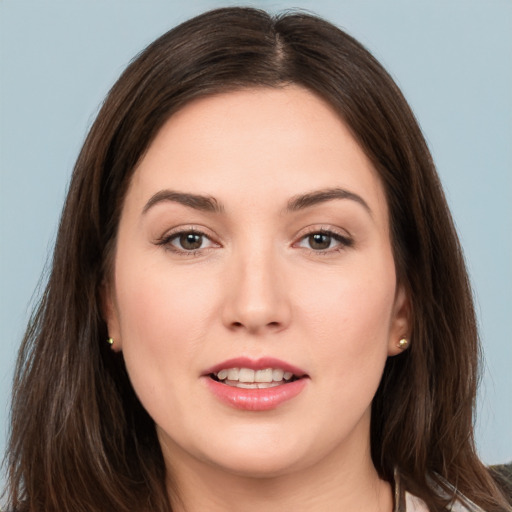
(155, 302)
(164, 320)
(349, 303)
(349, 315)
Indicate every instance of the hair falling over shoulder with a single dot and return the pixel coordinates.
(80, 439)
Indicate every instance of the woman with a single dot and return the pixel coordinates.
(256, 227)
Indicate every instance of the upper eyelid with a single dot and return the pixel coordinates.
(344, 239)
(170, 235)
(192, 228)
(166, 241)
(322, 228)
(300, 235)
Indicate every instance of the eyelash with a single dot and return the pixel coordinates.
(344, 241)
(166, 241)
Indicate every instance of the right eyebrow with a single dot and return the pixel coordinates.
(195, 201)
(315, 197)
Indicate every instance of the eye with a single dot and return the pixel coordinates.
(186, 242)
(320, 241)
(324, 241)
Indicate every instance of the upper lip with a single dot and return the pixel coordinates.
(256, 364)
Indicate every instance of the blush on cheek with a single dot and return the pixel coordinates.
(162, 310)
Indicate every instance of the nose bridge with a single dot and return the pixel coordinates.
(257, 298)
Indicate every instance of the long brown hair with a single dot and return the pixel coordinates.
(80, 439)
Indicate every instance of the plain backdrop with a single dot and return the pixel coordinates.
(452, 59)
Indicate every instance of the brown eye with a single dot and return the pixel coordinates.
(190, 241)
(324, 242)
(187, 242)
(319, 241)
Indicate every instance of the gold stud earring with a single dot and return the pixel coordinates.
(110, 341)
(403, 343)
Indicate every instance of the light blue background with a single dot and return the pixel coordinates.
(453, 60)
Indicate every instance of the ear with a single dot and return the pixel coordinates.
(109, 312)
(401, 321)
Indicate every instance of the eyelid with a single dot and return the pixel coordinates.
(345, 239)
(170, 235)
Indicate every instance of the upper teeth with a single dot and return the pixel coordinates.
(248, 375)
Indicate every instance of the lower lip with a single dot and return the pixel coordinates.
(256, 399)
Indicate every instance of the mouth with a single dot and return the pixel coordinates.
(255, 385)
(247, 378)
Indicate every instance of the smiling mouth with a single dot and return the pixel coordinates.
(247, 378)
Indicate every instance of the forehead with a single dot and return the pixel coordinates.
(252, 141)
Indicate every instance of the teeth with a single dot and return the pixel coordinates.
(252, 385)
(246, 385)
(233, 373)
(248, 378)
(264, 375)
(277, 374)
(222, 374)
(246, 375)
(264, 385)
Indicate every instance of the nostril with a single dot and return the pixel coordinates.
(241, 325)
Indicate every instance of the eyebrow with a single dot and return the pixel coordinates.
(303, 201)
(195, 201)
(296, 203)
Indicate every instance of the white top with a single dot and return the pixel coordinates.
(415, 504)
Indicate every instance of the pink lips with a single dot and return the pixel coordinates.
(255, 399)
(256, 364)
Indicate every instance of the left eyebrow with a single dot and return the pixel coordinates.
(303, 201)
(195, 201)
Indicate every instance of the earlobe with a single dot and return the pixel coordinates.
(399, 334)
(110, 315)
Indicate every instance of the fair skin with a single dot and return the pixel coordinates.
(267, 266)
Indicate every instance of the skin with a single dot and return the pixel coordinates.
(256, 287)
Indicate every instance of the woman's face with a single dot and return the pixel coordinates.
(255, 236)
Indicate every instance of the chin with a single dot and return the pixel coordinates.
(265, 459)
(256, 467)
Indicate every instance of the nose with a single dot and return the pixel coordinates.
(256, 301)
